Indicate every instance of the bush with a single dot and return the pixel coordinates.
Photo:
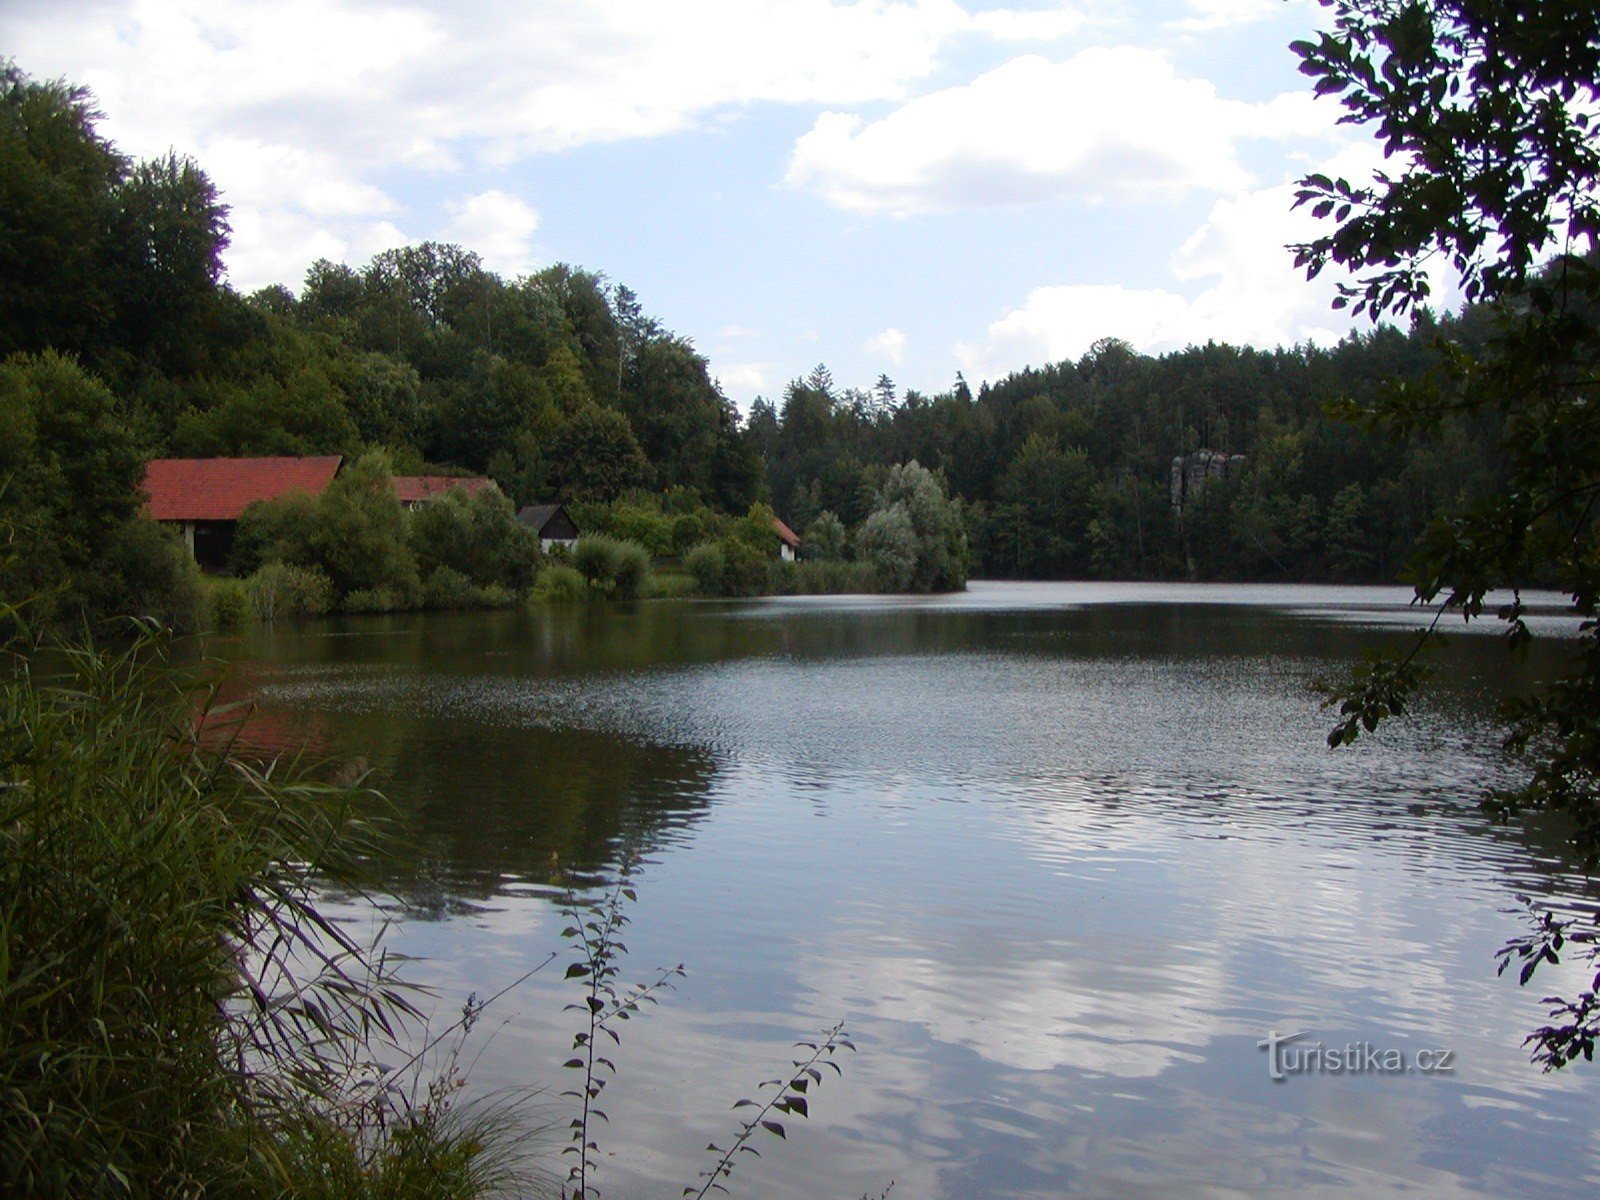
(823, 577)
(477, 536)
(148, 572)
(373, 600)
(227, 604)
(449, 588)
(559, 583)
(746, 567)
(706, 564)
(354, 533)
(612, 567)
(630, 571)
(278, 591)
(595, 558)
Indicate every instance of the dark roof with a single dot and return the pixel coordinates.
(537, 516)
(220, 489)
(788, 536)
(412, 489)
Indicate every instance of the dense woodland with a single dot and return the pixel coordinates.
(122, 342)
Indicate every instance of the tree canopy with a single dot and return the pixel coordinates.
(1487, 115)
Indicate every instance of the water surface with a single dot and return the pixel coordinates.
(1060, 855)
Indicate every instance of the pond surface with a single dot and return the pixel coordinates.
(1061, 856)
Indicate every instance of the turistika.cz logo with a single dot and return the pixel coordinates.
(1286, 1058)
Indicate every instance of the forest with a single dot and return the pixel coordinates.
(121, 341)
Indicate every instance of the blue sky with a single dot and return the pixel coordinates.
(913, 188)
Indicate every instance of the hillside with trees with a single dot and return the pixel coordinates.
(121, 342)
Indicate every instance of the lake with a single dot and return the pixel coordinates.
(1062, 856)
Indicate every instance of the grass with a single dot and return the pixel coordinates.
(177, 1017)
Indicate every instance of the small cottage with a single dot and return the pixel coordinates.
(788, 540)
(205, 497)
(551, 523)
(414, 491)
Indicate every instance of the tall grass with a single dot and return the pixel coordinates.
(177, 1017)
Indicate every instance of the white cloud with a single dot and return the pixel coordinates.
(498, 226)
(300, 108)
(1108, 122)
(1031, 25)
(890, 344)
(1207, 16)
(1250, 292)
(1060, 322)
(742, 382)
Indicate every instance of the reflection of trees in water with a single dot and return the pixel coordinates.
(483, 803)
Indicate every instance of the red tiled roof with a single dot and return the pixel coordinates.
(413, 489)
(786, 535)
(220, 489)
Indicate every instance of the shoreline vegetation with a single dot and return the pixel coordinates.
(354, 550)
(178, 1016)
(120, 342)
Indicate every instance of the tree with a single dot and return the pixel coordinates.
(913, 517)
(56, 179)
(1487, 112)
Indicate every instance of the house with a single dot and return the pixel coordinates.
(204, 497)
(788, 541)
(552, 523)
(416, 490)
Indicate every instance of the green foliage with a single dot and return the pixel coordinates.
(378, 600)
(148, 572)
(825, 538)
(560, 584)
(612, 567)
(176, 1015)
(915, 537)
(595, 456)
(707, 564)
(670, 585)
(595, 558)
(1489, 113)
(823, 577)
(447, 588)
(631, 572)
(279, 591)
(354, 534)
(476, 536)
(70, 472)
(227, 604)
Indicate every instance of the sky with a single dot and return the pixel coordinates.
(913, 188)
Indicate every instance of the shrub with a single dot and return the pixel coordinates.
(746, 567)
(595, 558)
(227, 604)
(630, 571)
(477, 536)
(559, 583)
(373, 600)
(148, 572)
(706, 564)
(279, 591)
(496, 596)
(449, 588)
(354, 533)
